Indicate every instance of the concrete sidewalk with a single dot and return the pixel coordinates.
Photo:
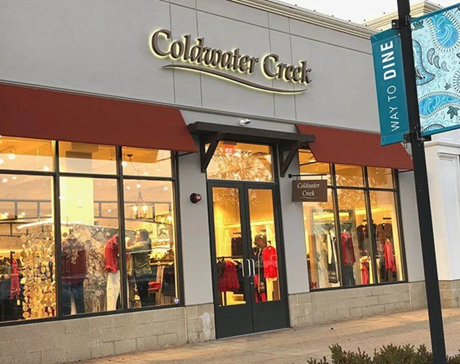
(295, 346)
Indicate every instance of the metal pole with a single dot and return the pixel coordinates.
(422, 192)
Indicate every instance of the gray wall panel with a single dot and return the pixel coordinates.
(195, 232)
(187, 85)
(337, 96)
(411, 227)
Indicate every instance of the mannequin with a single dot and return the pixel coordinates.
(112, 267)
(74, 272)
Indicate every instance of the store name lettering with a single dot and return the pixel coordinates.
(218, 63)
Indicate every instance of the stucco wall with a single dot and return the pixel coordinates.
(103, 47)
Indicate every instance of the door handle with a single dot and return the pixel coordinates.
(253, 267)
(249, 269)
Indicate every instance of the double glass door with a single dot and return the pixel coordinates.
(248, 273)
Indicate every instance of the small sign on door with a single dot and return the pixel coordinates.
(309, 191)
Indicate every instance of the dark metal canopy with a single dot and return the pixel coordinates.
(212, 134)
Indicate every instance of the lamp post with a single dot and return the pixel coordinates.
(421, 184)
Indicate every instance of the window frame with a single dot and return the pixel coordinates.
(118, 176)
(366, 189)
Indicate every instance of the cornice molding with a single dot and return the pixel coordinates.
(384, 22)
(309, 16)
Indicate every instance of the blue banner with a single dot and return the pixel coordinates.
(436, 44)
(391, 90)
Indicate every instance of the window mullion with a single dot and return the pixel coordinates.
(122, 231)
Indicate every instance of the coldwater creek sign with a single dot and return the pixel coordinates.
(221, 64)
(309, 191)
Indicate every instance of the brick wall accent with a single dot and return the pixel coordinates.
(450, 293)
(338, 305)
(88, 338)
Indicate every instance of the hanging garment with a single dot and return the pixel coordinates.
(270, 259)
(15, 288)
(332, 266)
(365, 272)
(390, 263)
(237, 247)
(347, 249)
(112, 251)
(259, 293)
(228, 281)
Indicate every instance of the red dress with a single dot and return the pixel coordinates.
(390, 263)
(270, 262)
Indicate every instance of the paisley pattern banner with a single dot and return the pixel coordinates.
(436, 44)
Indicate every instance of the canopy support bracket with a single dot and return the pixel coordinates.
(293, 148)
(206, 155)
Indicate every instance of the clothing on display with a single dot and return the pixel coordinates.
(365, 272)
(15, 289)
(270, 259)
(74, 269)
(227, 276)
(363, 235)
(113, 290)
(237, 246)
(112, 255)
(112, 259)
(390, 263)
(384, 233)
(348, 252)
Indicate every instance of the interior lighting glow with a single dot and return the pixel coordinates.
(4, 180)
(124, 164)
(14, 178)
(46, 168)
(11, 156)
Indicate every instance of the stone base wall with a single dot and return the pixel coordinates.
(450, 293)
(87, 338)
(337, 305)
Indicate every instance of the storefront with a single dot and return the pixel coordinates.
(147, 160)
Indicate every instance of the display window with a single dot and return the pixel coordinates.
(353, 239)
(91, 208)
(89, 245)
(322, 244)
(147, 162)
(150, 243)
(26, 154)
(241, 162)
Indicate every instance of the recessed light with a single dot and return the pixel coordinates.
(124, 164)
(1, 161)
(138, 185)
(46, 168)
(128, 188)
(11, 156)
(4, 180)
(14, 178)
(165, 188)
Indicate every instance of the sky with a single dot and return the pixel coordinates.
(358, 11)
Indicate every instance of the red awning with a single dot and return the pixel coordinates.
(355, 147)
(45, 114)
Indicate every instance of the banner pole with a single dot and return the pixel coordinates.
(422, 191)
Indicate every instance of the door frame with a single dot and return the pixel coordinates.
(243, 187)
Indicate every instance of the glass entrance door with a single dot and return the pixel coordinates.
(249, 285)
